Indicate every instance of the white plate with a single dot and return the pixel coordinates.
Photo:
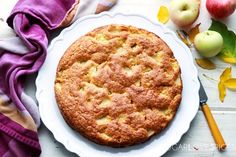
(72, 140)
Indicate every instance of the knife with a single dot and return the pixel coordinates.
(220, 143)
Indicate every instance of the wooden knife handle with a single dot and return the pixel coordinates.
(213, 127)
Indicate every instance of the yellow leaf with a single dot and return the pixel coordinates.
(205, 63)
(182, 35)
(222, 91)
(231, 83)
(163, 14)
(225, 75)
(227, 59)
(193, 32)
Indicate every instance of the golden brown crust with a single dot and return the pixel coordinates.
(118, 85)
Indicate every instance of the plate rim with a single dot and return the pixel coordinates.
(39, 89)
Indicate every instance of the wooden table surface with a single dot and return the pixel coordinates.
(197, 142)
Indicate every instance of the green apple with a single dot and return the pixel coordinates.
(184, 12)
(208, 43)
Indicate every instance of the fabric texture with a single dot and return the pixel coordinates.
(23, 53)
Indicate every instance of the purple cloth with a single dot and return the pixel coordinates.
(33, 21)
(16, 140)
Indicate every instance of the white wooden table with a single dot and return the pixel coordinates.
(197, 142)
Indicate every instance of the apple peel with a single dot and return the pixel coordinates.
(163, 14)
(183, 13)
(205, 63)
(220, 9)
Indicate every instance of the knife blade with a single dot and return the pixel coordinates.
(202, 94)
(220, 143)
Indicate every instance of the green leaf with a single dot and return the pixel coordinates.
(228, 52)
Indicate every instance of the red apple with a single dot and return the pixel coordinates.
(220, 8)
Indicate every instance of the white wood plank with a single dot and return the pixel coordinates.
(6, 7)
(50, 147)
(199, 142)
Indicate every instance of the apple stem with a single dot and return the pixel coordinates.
(185, 7)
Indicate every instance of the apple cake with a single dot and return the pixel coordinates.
(118, 85)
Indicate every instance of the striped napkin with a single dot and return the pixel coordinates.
(22, 54)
